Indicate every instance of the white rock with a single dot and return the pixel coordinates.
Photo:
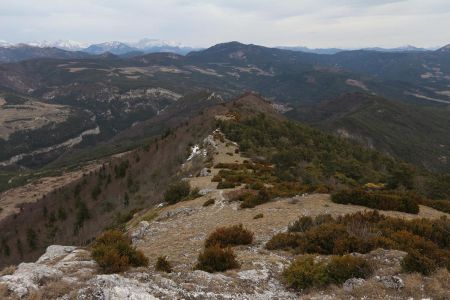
(55, 251)
(116, 287)
(352, 283)
(28, 276)
(391, 282)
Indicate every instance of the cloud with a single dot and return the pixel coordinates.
(317, 23)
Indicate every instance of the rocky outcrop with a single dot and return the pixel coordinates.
(63, 263)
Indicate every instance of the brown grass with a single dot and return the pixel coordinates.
(9, 270)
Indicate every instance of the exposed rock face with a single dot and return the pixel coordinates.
(64, 263)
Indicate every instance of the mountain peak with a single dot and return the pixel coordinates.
(446, 48)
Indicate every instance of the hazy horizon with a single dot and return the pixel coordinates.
(349, 24)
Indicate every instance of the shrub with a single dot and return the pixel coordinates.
(341, 268)
(229, 236)
(262, 197)
(209, 202)
(258, 216)
(378, 200)
(283, 241)
(304, 272)
(365, 231)
(441, 205)
(114, 253)
(301, 225)
(177, 192)
(217, 259)
(321, 239)
(226, 185)
(416, 262)
(163, 265)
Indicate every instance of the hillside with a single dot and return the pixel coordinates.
(412, 133)
(121, 92)
(234, 163)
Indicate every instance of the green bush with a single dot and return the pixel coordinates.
(229, 236)
(304, 272)
(378, 200)
(177, 192)
(163, 265)
(217, 259)
(114, 253)
(416, 262)
(341, 268)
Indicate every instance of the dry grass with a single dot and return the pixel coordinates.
(9, 270)
(4, 292)
(52, 290)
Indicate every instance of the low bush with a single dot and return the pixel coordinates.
(163, 265)
(301, 225)
(304, 272)
(258, 216)
(441, 205)
(416, 262)
(177, 192)
(426, 241)
(283, 241)
(341, 268)
(260, 198)
(378, 200)
(216, 259)
(229, 236)
(209, 202)
(226, 185)
(114, 253)
(322, 239)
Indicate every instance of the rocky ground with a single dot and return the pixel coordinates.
(178, 232)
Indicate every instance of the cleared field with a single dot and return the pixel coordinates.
(29, 116)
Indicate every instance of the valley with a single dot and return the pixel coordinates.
(219, 172)
(321, 158)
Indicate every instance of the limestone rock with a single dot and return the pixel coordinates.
(391, 282)
(352, 283)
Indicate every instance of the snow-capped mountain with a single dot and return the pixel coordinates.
(143, 46)
(5, 44)
(154, 45)
(61, 44)
(150, 43)
(114, 47)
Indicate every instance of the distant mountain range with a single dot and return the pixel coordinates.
(122, 90)
(147, 45)
(407, 48)
(143, 46)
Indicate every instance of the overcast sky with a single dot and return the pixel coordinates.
(316, 23)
